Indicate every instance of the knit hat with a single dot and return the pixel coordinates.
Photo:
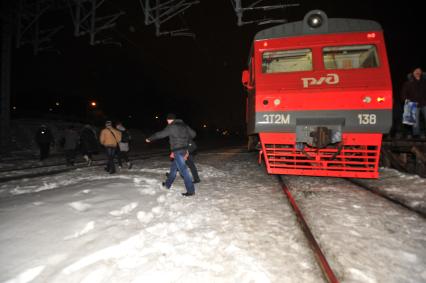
(171, 116)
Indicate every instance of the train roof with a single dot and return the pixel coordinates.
(332, 25)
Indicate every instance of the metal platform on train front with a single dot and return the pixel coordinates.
(404, 154)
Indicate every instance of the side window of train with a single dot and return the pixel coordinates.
(350, 57)
(285, 61)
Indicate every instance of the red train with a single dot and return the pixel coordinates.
(319, 96)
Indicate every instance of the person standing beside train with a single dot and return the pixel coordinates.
(414, 90)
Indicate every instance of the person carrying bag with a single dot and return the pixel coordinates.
(110, 139)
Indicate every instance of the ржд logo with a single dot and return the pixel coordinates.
(330, 79)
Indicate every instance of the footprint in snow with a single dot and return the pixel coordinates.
(80, 206)
(125, 209)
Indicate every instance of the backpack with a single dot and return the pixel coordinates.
(125, 136)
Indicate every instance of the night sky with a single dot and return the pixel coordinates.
(197, 78)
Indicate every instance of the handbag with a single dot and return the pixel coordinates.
(124, 146)
(409, 114)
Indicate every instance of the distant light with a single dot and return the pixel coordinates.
(57, 103)
(217, 130)
(380, 99)
(156, 117)
(265, 44)
(204, 126)
(93, 103)
(14, 107)
(371, 35)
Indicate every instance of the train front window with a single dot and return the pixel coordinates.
(285, 61)
(350, 57)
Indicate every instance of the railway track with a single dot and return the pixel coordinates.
(308, 194)
(319, 255)
(387, 197)
(58, 168)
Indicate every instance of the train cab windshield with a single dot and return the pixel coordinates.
(333, 57)
(350, 57)
(285, 61)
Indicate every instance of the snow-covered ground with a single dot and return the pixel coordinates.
(88, 226)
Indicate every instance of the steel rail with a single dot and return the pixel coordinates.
(319, 255)
(11, 169)
(61, 170)
(385, 196)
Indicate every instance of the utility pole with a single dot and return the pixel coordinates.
(6, 55)
(259, 5)
(162, 11)
(86, 20)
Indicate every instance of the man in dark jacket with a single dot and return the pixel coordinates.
(415, 90)
(71, 141)
(89, 143)
(44, 140)
(179, 136)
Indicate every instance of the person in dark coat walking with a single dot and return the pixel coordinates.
(71, 141)
(44, 140)
(124, 146)
(89, 144)
(179, 135)
(414, 89)
(190, 161)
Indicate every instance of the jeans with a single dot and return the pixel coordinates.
(70, 156)
(416, 127)
(110, 152)
(122, 155)
(179, 164)
(44, 150)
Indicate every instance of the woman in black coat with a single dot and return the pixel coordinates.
(88, 143)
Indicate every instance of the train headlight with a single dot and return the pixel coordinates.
(315, 20)
(277, 102)
(366, 99)
(380, 99)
